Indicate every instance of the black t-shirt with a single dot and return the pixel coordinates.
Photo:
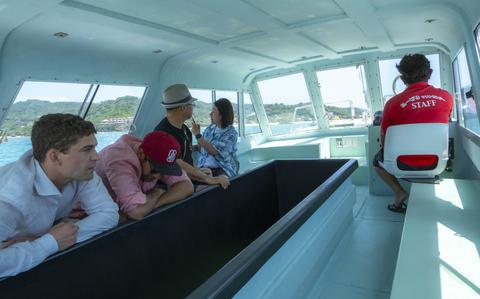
(183, 136)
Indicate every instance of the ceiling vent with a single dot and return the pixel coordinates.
(60, 34)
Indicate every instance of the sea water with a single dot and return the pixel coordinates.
(16, 146)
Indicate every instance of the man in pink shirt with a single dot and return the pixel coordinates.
(130, 169)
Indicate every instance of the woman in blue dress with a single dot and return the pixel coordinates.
(218, 144)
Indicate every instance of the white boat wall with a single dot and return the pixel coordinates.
(306, 78)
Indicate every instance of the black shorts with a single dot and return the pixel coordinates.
(378, 158)
(217, 171)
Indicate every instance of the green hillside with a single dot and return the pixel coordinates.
(21, 116)
(116, 115)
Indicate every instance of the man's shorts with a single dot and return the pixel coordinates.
(378, 158)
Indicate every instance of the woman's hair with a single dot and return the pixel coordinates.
(414, 68)
(225, 109)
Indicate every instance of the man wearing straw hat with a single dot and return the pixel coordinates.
(178, 102)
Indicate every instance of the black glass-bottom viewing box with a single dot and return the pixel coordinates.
(209, 245)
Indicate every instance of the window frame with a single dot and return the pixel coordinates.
(368, 102)
(460, 113)
(277, 76)
(84, 105)
(244, 133)
(476, 36)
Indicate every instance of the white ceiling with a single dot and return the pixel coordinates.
(244, 35)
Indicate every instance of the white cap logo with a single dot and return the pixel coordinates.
(171, 156)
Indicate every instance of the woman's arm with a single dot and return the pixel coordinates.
(207, 146)
(202, 141)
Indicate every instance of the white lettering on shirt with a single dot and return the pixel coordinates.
(425, 104)
(429, 103)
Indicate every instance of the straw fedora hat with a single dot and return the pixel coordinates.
(177, 95)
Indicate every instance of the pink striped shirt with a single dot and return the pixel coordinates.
(121, 172)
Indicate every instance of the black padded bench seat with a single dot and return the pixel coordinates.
(174, 250)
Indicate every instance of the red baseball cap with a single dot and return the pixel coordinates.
(162, 149)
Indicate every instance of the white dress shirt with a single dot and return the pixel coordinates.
(29, 205)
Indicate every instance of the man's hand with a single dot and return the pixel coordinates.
(65, 233)
(195, 127)
(222, 180)
(155, 193)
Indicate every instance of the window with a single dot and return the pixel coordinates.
(232, 97)
(467, 109)
(345, 107)
(34, 100)
(251, 120)
(287, 104)
(201, 111)
(111, 109)
(388, 72)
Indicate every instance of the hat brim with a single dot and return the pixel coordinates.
(167, 169)
(178, 104)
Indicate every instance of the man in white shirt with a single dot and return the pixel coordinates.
(38, 191)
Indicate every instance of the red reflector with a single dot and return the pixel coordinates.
(418, 160)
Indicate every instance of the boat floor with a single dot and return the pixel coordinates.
(363, 264)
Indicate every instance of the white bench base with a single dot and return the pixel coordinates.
(439, 255)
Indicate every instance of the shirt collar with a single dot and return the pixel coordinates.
(218, 129)
(417, 85)
(42, 183)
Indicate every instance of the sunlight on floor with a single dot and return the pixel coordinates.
(449, 192)
(459, 264)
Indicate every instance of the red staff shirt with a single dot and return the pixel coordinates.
(419, 103)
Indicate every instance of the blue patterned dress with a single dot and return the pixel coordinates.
(225, 142)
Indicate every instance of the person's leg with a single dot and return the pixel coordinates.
(400, 194)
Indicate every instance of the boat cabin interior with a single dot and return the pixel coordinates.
(308, 80)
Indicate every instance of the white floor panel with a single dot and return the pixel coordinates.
(331, 290)
(363, 264)
(375, 207)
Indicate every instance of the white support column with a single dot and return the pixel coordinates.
(241, 114)
(447, 80)
(260, 109)
(316, 98)
(372, 75)
(214, 95)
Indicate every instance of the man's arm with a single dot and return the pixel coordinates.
(197, 175)
(17, 255)
(176, 192)
(159, 197)
(140, 210)
(101, 210)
